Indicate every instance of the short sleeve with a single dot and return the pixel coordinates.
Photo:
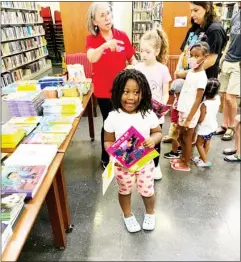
(153, 120)
(89, 42)
(202, 81)
(215, 41)
(167, 77)
(129, 48)
(108, 124)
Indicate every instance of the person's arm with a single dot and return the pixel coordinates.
(133, 61)
(165, 93)
(95, 54)
(195, 107)
(109, 139)
(155, 138)
(203, 113)
(224, 53)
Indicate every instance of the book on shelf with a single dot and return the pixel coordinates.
(27, 155)
(160, 109)
(130, 152)
(11, 207)
(22, 179)
(20, 5)
(7, 232)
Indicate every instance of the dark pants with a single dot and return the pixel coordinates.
(105, 107)
(158, 149)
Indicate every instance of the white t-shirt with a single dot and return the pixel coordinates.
(209, 123)
(120, 122)
(157, 75)
(193, 82)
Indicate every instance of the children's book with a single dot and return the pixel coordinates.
(108, 176)
(45, 138)
(25, 120)
(11, 206)
(57, 129)
(7, 232)
(130, 152)
(160, 109)
(22, 179)
(29, 155)
(57, 120)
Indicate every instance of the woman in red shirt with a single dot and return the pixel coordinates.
(108, 49)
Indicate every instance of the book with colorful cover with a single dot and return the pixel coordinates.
(57, 120)
(160, 109)
(108, 176)
(58, 129)
(22, 179)
(130, 152)
(45, 138)
(25, 120)
(11, 206)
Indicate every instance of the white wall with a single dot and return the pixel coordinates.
(122, 15)
(54, 6)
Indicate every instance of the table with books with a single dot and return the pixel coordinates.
(50, 185)
(49, 192)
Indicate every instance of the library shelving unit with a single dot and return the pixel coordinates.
(23, 45)
(146, 16)
(226, 11)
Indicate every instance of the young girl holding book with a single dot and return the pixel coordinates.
(154, 56)
(131, 98)
(189, 103)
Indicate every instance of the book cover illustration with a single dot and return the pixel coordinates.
(45, 138)
(22, 179)
(129, 150)
(160, 109)
(54, 129)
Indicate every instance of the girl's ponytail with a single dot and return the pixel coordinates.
(162, 57)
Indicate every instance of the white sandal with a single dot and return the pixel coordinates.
(149, 222)
(131, 224)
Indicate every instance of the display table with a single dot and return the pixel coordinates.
(50, 192)
(53, 190)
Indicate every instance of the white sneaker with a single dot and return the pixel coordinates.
(131, 224)
(158, 173)
(149, 222)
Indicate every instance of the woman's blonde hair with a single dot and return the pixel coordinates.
(160, 42)
(93, 29)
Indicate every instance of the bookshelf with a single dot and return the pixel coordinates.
(226, 11)
(23, 43)
(146, 16)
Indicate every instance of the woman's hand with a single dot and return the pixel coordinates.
(149, 143)
(113, 44)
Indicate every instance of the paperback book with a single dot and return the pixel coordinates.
(22, 179)
(160, 109)
(130, 152)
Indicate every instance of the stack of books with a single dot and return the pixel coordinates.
(25, 103)
(11, 207)
(7, 232)
(25, 169)
(71, 106)
(28, 124)
(11, 136)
